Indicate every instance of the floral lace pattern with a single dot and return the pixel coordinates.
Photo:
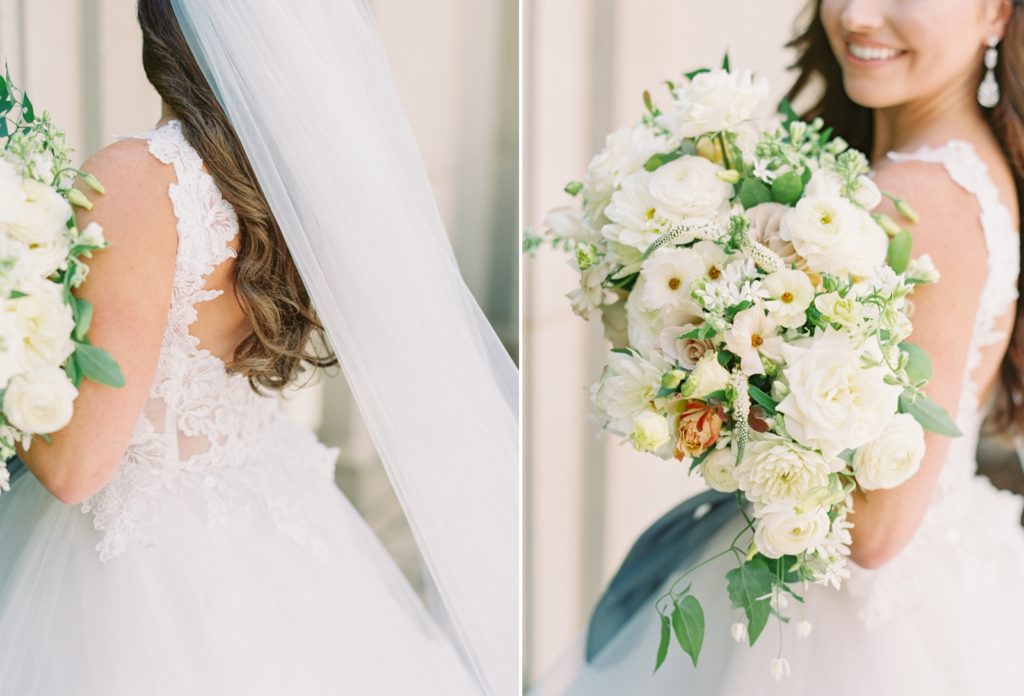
(205, 432)
(968, 519)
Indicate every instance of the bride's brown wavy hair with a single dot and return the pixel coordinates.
(819, 74)
(286, 333)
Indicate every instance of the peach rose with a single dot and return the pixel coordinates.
(699, 427)
(765, 221)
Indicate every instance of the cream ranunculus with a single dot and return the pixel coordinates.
(834, 403)
(42, 217)
(893, 457)
(713, 101)
(44, 322)
(782, 531)
(777, 470)
(718, 470)
(40, 401)
(835, 236)
(689, 187)
(650, 431)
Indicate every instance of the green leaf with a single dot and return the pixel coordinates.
(29, 113)
(786, 109)
(666, 638)
(929, 414)
(702, 332)
(647, 101)
(731, 312)
(655, 161)
(688, 625)
(899, 251)
(694, 73)
(788, 188)
(751, 580)
(762, 399)
(97, 365)
(919, 365)
(754, 192)
(725, 62)
(15, 294)
(573, 188)
(83, 317)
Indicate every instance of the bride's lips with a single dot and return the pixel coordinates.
(870, 54)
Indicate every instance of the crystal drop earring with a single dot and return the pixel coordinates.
(988, 90)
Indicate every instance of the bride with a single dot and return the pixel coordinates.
(932, 90)
(181, 536)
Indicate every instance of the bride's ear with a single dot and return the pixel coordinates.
(1000, 12)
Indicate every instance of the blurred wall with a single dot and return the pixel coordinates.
(454, 62)
(585, 66)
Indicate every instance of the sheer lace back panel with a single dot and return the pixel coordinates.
(202, 429)
(967, 518)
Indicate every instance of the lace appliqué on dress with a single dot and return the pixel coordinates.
(961, 511)
(205, 432)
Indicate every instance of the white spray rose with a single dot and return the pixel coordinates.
(834, 402)
(40, 401)
(718, 470)
(650, 431)
(625, 152)
(708, 376)
(689, 187)
(42, 217)
(834, 236)
(713, 101)
(44, 322)
(777, 470)
(782, 531)
(867, 195)
(891, 458)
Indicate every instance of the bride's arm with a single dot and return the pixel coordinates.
(129, 284)
(950, 231)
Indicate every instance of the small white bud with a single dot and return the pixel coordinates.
(738, 631)
(780, 668)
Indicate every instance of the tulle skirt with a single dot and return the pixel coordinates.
(239, 609)
(944, 618)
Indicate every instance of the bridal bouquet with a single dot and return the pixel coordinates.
(44, 350)
(759, 312)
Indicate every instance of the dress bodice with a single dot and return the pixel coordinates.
(959, 493)
(202, 431)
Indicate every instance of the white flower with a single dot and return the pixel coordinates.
(714, 257)
(713, 101)
(566, 223)
(780, 668)
(718, 470)
(44, 322)
(634, 213)
(824, 182)
(922, 270)
(591, 293)
(867, 195)
(92, 235)
(5, 478)
(645, 327)
(778, 600)
(626, 388)
(689, 187)
(835, 309)
(752, 335)
(777, 470)
(834, 236)
(803, 629)
(12, 194)
(42, 217)
(708, 376)
(791, 292)
(650, 431)
(738, 631)
(891, 458)
(782, 531)
(834, 403)
(40, 401)
(737, 282)
(668, 277)
(625, 152)
(686, 351)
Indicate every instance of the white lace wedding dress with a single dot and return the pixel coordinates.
(943, 618)
(220, 559)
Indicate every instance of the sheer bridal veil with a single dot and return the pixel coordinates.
(307, 87)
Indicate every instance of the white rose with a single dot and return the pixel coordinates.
(708, 376)
(834, 402)
(689, 188)
(714, 101)
(42, 217)
(40, 401)
(718, 470)
(824, 183)
(650, 431)
(41, 261)
(893, 457)
(782, 531)
(625, 151)
(834, 236)
(777, 470)
(44, 322)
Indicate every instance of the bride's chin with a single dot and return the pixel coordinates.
(871, 94)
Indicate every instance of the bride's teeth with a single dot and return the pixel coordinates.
(872, 52)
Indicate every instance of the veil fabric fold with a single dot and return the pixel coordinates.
(307, 88)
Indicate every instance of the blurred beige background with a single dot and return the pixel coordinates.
(586, 64)
(455, 63)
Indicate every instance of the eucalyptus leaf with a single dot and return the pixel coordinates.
(83, 317)
(919, 365)
(929, 414)
(688, 625)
